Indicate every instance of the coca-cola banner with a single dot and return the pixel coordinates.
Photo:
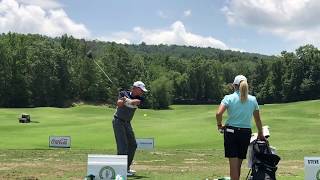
(60, 141)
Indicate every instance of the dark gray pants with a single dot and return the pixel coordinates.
(125, 139)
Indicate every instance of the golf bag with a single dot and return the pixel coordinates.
(264, 163)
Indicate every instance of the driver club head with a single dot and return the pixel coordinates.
(89, 54)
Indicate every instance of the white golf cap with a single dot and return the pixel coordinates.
(238, 79)
(140, 85)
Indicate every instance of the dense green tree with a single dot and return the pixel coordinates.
(37, 70)
(161, 90)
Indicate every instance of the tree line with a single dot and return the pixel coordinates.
(36, 70)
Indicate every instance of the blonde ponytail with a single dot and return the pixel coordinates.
(244, 88)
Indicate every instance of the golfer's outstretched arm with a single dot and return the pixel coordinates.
(121, 101)
(219, 114)
(135, 102)
(256, 115)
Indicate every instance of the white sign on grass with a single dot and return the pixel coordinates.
(312, 168)
(145, 143)
(60, 141)
(107, 167)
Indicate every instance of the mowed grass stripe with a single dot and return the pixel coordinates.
(293, 125)
(188, 145)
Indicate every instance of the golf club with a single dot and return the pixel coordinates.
(128, 102)
(90, 56)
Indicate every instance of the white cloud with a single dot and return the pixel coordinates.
(26, 18)
(293, 19)
(119, 37)
(187, 13)
(175, 34)
(45, 4)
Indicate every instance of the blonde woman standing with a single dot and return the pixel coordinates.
(237, 129)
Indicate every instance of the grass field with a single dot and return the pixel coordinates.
(188, 145)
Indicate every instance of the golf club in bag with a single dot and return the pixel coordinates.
(264, 162)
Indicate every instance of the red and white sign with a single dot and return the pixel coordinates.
(60, 141)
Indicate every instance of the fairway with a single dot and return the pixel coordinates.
(188, 146)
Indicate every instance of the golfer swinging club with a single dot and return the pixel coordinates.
(128, 102)
(237, 130)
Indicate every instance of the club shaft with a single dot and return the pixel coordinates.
(103, 71)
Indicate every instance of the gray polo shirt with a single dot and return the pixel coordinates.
(125, 113)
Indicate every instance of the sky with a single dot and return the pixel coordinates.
(257, 26)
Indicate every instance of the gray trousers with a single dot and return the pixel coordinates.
(125, 139)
